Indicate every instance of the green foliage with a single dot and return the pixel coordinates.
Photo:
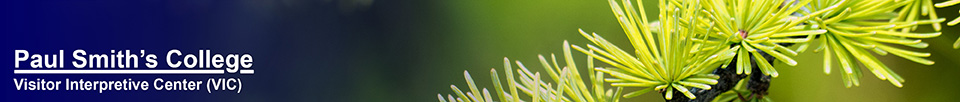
(869, 26)
(569, 85)
(760, 30)
(933, 14)
(739, 93)
(694, 37)
(668, 60)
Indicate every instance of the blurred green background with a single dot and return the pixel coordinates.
(431, 42)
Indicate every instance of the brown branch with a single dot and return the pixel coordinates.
(758, 83)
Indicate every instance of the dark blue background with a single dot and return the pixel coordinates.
(300, 46)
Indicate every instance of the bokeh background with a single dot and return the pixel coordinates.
(395, 50)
